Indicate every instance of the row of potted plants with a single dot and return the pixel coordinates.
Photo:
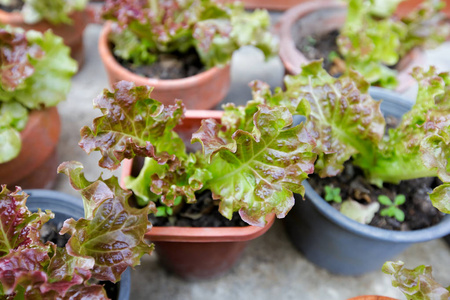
(259, 140)
(266, 183)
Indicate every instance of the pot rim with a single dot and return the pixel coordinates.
(111, 63)
(421, 235)
(290, 55)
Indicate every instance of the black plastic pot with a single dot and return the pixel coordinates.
(341, 245)
(65, 206)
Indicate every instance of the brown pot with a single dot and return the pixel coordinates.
(35, 167)
(371, 297)
(72, 34)
(407, 6)
(330, 16)
(199, 253)
(201, 91)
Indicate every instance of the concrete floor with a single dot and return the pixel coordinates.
(270, 267)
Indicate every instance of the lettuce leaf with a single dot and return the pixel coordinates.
(257, 172)
(417, 283)
(120, 242)
(342, 117)
(133, 124)
(372, 39)
(53, 11)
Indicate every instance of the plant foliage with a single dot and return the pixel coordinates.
(373, 39)
(53, 11)
(102, 244)
(148, 28)
(252, 161)
(415, 284)
(35, 73)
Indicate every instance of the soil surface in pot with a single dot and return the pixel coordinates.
(50, 233)
(168, 66)
(319, 46)
(203, 213)
(419, 211)
(15, 5)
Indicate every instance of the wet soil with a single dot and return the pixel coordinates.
(15, 5)
(168, 66)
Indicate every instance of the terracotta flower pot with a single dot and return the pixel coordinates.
(330, 15)
(407, 6)
(72, 34)
(193, 252)
(201, 91)
(371, 297)
(35, 167)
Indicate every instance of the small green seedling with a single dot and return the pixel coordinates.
(165, 211)
(333, 194)
(392, 209)
(333, 55)
(311, 41)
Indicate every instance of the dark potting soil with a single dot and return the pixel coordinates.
(168, 66)
(203, 213)
(419, 212)
(15, 5)
(318, 46)
(50, 233)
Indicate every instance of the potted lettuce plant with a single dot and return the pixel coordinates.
(35, 269)
(252, 161)
(65, 18)
(35, 73)
(181, 48)
(368, 37)
(394, 170)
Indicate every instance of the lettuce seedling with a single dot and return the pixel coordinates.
(146, 29)
(253, 160)
(102, 245)
(53, 11)
(415, 284)
(347, 123)
(392, 209)
(373, 39)
(333, 194)
(35, 73)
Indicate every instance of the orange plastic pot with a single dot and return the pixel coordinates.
(72, 34)
(331, 15)
(201, 91)
(199, 253)
(372, 297)
(35, 167)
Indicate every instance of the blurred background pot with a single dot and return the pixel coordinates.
(202, 91)
(35, 166)
(331, 16)
(72, 34)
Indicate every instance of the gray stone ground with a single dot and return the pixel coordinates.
(270, 267)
